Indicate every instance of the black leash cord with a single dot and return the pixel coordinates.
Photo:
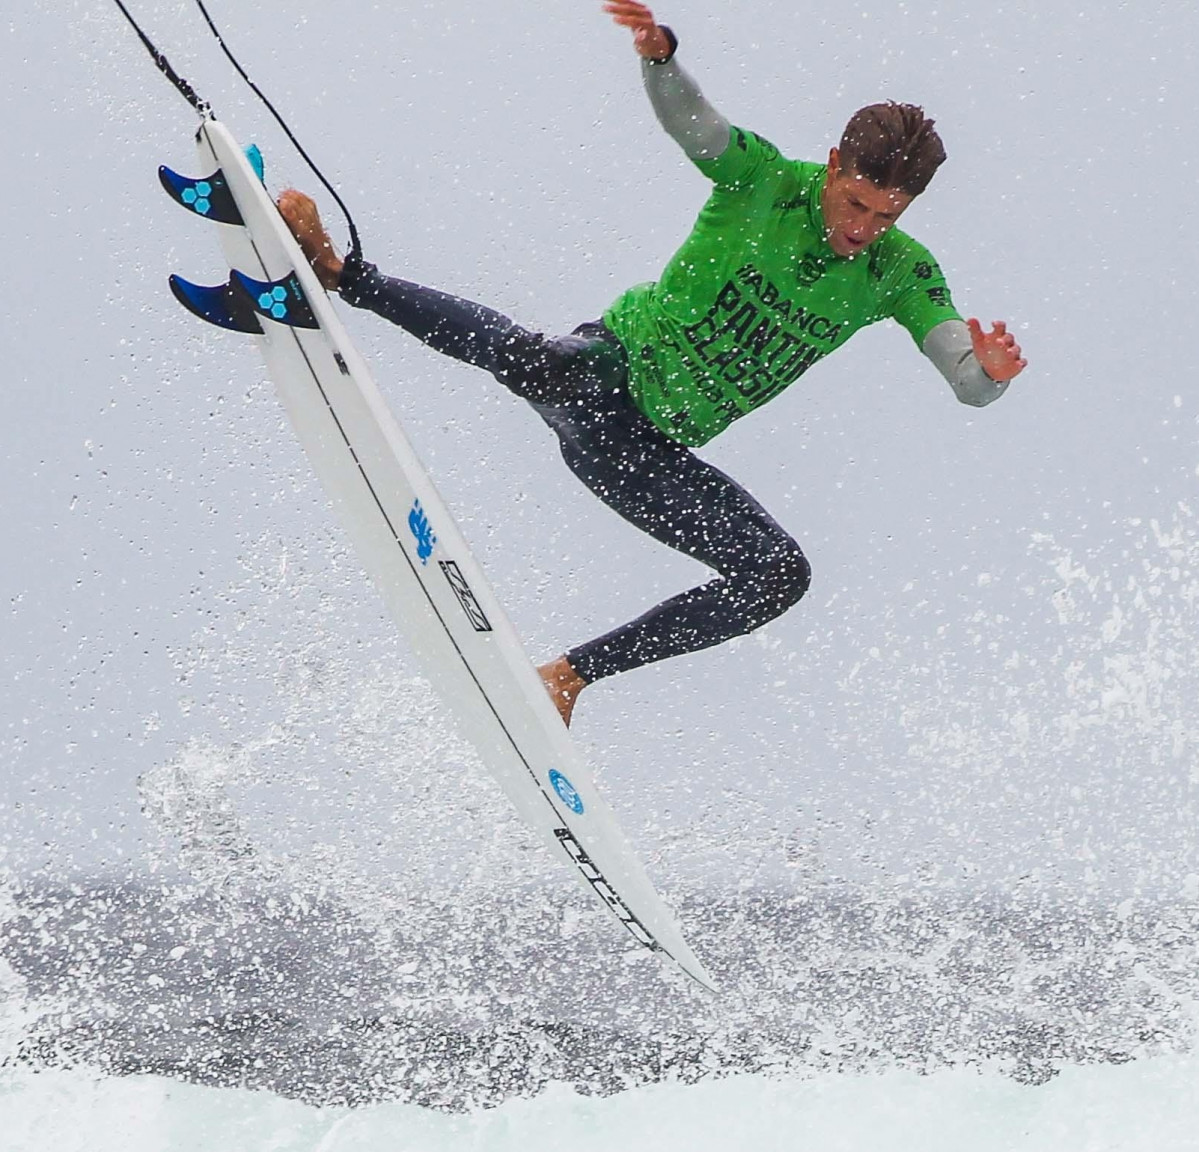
(205, 110)
(355, 246)
(164, 66)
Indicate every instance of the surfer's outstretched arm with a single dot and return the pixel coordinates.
(698, 128)
(979, 365)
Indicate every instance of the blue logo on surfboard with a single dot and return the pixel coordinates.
(566, 791)
(422, 530)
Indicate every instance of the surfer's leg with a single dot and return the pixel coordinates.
(547, 371)
(667, 491)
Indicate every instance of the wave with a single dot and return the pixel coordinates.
(331, 1001)
(1144, 1107)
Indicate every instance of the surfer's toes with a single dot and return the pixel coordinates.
(300, 214)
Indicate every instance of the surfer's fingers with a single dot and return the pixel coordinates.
(630, 15)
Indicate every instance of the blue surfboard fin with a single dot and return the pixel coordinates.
(209, 197)
(254, 155)
(220, 305)
(280, 300)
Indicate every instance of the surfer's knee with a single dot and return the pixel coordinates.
(785, 578)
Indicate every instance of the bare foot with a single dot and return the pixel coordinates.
(300, 214)
(563, 684)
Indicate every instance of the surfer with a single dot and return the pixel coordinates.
(786, 260)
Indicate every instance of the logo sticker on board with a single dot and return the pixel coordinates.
(470, 604)
(566, 791)
(422, 531)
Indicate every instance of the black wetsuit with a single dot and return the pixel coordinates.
(578, 385)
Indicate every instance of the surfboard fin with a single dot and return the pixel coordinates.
(221, 305)
(209, 197)
(280, 300)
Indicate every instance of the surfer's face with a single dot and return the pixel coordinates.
(856, 210)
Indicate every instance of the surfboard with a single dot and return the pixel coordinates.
(407, 540)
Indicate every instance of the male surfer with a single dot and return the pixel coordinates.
(785, 262)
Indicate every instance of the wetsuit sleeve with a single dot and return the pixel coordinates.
(681, 108)
(727, 155)
(950, 348)
(923, 305)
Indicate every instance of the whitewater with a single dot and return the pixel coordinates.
(1149, 1107)
(311, 961)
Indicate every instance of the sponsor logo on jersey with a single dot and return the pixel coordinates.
(756, 341)
(470, 605)
(769, 151)
(810, 269)
(566, 792)
(422, 531)
(800, 201)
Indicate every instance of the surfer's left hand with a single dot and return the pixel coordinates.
(997, 351)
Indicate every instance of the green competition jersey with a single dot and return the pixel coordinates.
(755, 296)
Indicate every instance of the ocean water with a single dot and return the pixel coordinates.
(166, 1016)
(339, 968)
(1151, 1106)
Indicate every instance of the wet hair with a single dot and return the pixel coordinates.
(893, 146)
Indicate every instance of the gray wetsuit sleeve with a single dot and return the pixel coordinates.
(701, 131)
(950, 348)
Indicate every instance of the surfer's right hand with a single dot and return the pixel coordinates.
(648, 38)
(300, 215)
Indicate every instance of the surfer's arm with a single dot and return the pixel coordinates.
(683, 110)
(950, 347)
(701, 131)
(978, 365)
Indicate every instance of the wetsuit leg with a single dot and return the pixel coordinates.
(680, 500)
(578, 385)
(543, 370)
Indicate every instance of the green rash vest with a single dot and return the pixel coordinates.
(755, 296)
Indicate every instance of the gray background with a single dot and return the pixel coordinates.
(992, 681)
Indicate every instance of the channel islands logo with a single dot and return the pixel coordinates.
(422, 531)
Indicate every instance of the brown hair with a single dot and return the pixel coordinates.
(893, 146)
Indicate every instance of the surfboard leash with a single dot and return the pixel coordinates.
(204, 109)
(164, 66)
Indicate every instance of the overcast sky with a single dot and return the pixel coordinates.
(993, 675)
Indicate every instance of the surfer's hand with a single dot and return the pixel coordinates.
(997, 351)
(300, 215)
(649, 40)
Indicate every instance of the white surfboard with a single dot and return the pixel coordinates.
(414, 552)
